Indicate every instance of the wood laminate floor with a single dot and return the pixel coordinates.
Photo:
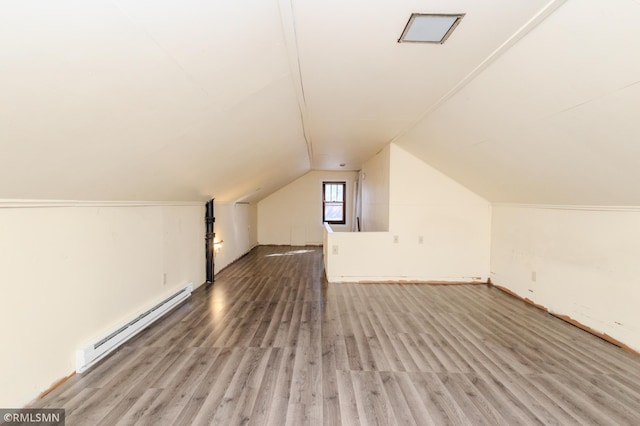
(273, 344)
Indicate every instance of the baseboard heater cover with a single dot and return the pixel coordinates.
(91, 354)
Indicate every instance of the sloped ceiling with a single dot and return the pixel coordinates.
(188, 99)
(146, 100)
(362, 88)
(554, 120)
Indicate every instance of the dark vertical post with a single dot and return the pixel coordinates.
(209, 220)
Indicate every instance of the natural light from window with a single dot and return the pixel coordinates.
(289, 253)
(333, 202)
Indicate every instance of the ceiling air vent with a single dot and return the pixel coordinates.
(429, 27)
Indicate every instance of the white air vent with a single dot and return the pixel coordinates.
(90, 354)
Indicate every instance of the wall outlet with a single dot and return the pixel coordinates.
(533, 276)
(164, 279)
(334, 249)
(420, 239)
(395, 239)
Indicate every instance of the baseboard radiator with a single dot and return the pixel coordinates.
(91, 354)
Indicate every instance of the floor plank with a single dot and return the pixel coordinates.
(272, 343)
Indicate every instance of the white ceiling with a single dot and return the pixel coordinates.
(146, 100)
(362, 88)
(554, 120)
(188, 99)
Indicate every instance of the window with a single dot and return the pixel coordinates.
(333, 202)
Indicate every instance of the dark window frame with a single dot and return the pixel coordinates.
(343, 221)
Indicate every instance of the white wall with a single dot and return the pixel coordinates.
(293, 214)
(375, 192)
(585, 263)
(70, 274)
(454, 223)
(236, 226)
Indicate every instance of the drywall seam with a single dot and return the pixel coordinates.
(138, 26)
(290, 36)
(532, 23)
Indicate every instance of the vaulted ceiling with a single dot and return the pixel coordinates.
(528, 101)
(553, 120)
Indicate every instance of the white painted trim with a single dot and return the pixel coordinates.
(25, 204)
(569, 207)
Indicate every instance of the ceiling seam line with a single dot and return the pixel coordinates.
(532, 23)
(588, 101)
(305, 129)
(162, 49)
(550, 115)
(302, 100)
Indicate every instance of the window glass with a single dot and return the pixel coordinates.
(333, 202)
